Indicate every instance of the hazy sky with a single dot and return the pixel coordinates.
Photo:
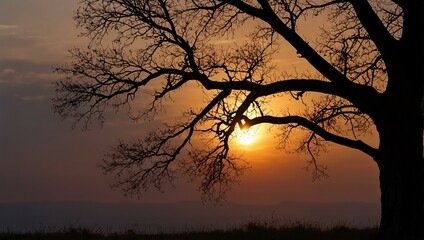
(43, 159)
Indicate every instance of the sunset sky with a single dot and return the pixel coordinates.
(43, 159)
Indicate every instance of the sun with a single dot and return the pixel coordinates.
(245, 136)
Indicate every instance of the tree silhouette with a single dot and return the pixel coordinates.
(368, 59)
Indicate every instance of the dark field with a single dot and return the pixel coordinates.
(250, 231)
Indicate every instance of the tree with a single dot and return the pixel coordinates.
(368, 60)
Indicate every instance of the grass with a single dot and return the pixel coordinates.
(249, 231)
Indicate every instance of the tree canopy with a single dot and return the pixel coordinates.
(163, 45)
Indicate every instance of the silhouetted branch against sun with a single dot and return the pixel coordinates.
(161, 46)
(142, 52)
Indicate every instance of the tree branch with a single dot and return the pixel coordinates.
(301, 46)
(356, 144)
(384, 41)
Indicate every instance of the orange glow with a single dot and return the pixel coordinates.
(246, 136)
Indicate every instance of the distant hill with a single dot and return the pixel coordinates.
(177, 217)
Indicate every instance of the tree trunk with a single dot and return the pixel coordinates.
(401, 175)
(402, 202)
(399, 122)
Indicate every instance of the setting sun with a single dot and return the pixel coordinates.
(245, 136)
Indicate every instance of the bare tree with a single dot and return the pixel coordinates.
(368, 59)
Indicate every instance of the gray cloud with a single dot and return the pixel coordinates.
(38, 30)
(26, 80)
(13, 69)
(6, 29)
